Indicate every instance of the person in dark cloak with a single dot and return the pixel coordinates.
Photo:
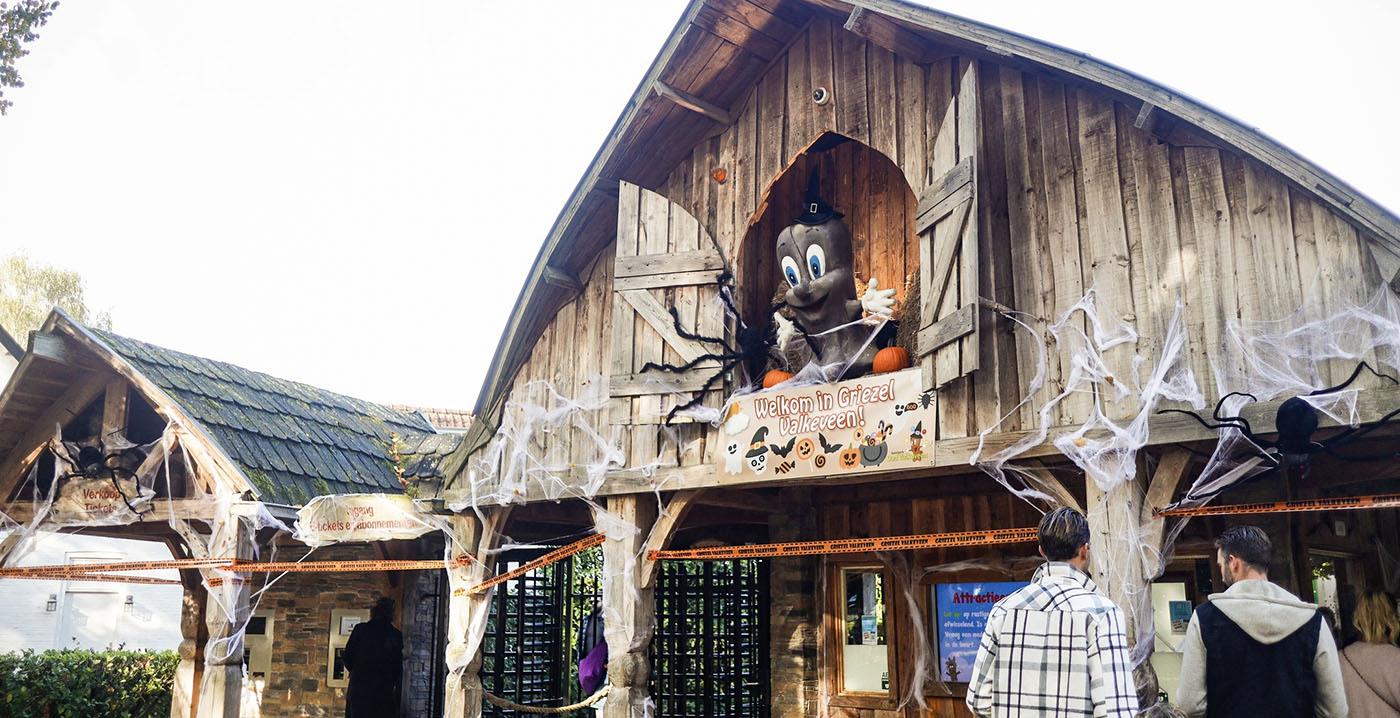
(374, 657)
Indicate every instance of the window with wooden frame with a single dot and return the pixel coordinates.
(859, 641)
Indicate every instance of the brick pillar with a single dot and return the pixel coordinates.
(793, 615)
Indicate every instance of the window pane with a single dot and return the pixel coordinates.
(865, 655)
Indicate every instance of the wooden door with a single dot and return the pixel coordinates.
(947, 226)
(665, 262)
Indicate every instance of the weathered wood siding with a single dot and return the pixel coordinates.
(1071, 196)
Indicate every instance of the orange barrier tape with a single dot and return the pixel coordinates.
(891, 543)
(69, 568)
(544, 560)
(1375, 501)
(106, 577)
(242, 566)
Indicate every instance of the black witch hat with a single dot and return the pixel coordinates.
(815, 210)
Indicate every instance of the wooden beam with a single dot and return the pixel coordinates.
(948, 329)
(1144, 115)
(691, 102)
(1170, 468)
(1046, 481)
(114, 409)
(560, 278)
(52, 347)
(661, 531)
(886, 33)
(42, 429)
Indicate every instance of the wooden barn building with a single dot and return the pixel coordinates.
(851, 294)
(1041, 216)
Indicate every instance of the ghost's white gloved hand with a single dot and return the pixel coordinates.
(786, 330)
(877, 301)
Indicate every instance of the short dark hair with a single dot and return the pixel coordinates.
(1062, 532)
(1247, 543)
(383, 608)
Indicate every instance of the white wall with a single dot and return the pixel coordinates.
(94, 613)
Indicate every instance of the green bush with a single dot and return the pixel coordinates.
(72, 683)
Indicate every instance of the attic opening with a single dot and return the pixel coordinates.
(856, 180)
(82, 437)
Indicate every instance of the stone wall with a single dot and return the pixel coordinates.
(302, 605)
(793, 611)
(424, 637)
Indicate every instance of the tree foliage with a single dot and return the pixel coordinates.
(18, 23)
(28, 291)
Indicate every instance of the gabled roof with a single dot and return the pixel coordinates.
(715, 53)
(291, 440)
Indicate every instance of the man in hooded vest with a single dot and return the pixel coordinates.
(1255, 650)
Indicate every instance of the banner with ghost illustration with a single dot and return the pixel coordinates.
(882, 422)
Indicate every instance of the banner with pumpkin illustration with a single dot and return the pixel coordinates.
(880, 422)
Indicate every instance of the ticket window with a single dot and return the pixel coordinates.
(257, 644)
(864, 646)
(343, 621)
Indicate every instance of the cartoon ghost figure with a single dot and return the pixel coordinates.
(816, 259)
(757, 456)
(733, 460)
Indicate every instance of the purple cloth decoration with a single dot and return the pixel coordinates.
(593, 669)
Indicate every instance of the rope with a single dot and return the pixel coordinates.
(503, 703)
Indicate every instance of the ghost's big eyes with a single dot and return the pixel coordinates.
(816, 261)
(790, 271)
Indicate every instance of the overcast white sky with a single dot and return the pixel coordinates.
(350, 193)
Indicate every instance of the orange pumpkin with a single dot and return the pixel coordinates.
(850, 457)
(775, 377)
(805, 448)
(890, 359)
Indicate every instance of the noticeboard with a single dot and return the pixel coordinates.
(960, 617)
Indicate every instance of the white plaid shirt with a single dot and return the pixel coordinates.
(1054, 648)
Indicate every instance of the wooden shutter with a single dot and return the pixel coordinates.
(664, 259)
(946, 223)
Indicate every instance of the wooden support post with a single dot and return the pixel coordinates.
(225, 616)
(184, 694)
(629, 607)
(467, 612)
(114, 410)
(661, 531)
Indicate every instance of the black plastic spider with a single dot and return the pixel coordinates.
(755, 345)
(1295, 422)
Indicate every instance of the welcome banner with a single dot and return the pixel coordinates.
(882, 422)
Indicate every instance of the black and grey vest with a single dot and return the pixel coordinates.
(1247, 678)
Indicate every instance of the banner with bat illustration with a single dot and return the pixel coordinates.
(882, 422)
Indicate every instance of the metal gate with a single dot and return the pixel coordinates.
(709, 657)
(528, 653)
(709, 654)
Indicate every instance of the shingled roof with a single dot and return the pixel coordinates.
(293, 441)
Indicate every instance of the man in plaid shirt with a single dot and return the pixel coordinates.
(1057, 646)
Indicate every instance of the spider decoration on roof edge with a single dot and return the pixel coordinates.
(754, 344)
(1295, 422)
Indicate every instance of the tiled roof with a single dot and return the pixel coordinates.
(421, 455)
(442, 419)
(292, 441)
